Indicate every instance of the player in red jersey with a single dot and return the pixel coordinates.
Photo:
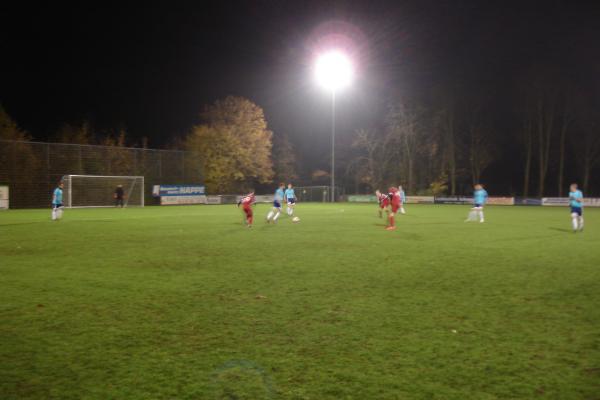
(247, 201)
(383, 200)
(394, 206)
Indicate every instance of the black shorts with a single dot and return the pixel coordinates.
(577, 210)
(59, 205)
(291, 201)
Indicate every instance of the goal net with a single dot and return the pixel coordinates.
(99, 191)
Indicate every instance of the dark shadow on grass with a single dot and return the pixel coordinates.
(411, 236)
(552, 228)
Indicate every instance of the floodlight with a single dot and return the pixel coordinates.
(334, 70)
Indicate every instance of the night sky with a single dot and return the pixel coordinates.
(151, 68)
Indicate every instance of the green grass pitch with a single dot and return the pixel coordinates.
(185, 303)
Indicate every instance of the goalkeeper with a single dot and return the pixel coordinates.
(119, 195)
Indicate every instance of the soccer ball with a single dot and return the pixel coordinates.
(295, 219)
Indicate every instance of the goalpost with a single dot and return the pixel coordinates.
(81, 191)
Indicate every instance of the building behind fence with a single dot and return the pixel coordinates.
(33, 169)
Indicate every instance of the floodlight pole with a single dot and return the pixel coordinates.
(333, 145)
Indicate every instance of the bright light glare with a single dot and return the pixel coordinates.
(334, 70)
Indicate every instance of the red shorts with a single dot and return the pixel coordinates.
(248, 211)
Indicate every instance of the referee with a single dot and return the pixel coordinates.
(119, 195)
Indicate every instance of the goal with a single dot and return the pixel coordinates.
(82, 191)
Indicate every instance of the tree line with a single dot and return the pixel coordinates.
(33, 168)
(230, 150)
(451, 141)
(442, 145)
(72, 133)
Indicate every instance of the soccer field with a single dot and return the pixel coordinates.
(186, 303)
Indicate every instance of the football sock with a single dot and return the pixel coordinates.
(574, 221)
(480, 216)
(580, 223)
(53, 214)
(59, 213)
(392, 222)
(270, 215)
(276, 216)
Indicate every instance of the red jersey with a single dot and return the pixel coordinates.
(384, 200)
(396, 199)
(248, 200)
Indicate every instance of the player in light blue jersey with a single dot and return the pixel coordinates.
(402, 199)
(57, 202)
(290, 199)
(576, 204)
(479, 199)
(277, 200)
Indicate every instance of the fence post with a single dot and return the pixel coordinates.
(160, 174)
(80, 161)
(48, 167)
(183, 166)
(109, 161)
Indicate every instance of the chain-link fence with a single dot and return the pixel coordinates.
(316, 193)
(33, 169)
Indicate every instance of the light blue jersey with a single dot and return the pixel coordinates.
(57, 196)
(289, 194)
(278, 195)
(576, 199)
(480, 197)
